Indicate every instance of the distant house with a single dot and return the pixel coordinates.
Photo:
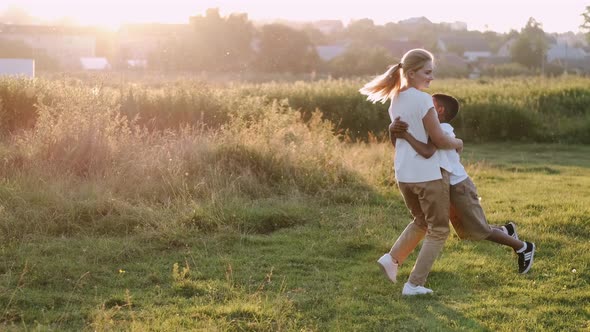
(451, 65)
(572, 39)
(450, 60)
(565, 52)
(416, 21)
(471, 48)
(398, 48)
(17, 67)
(64, 44)
(94, 63)
(139, 41)
(495, 60)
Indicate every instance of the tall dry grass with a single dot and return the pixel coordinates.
(87, 167)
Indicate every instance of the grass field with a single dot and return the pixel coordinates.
(302, 262)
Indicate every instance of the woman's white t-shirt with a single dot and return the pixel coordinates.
(411, 106)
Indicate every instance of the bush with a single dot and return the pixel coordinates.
(507, 70)
(176, 105)
(338, 101)
(497, 122)
(173, 105)
(17, 104)
(568, 102)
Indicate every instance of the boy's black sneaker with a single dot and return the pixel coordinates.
(511, 229)
(525, 258)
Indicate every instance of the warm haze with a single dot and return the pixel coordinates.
(498, 15)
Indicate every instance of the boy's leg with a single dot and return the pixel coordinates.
(498, 236)
(456, 220)
(434, 200)
(468, 217)
(508, 228)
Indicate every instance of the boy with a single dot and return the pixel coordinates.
(466, 213)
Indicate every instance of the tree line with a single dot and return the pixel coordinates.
(234, 44)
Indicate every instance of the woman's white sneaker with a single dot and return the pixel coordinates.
(415, 290)
(388, 266)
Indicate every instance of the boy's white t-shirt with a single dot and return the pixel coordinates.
(411, 106)
(457, 170)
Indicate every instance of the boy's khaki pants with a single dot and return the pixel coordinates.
(428, 203)
(466, 213)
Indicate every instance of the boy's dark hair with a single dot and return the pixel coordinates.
(450, 104)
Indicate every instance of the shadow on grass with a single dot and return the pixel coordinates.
(367, 301)
(437, 312)
(429, 314)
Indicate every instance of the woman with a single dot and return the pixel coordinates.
(424, 183)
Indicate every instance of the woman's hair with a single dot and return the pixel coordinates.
(387, 85)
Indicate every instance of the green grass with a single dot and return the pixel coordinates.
(305, 262)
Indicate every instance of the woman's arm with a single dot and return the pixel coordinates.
(435, 133)
(399, 129)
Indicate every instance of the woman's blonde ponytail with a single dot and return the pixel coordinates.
(384, 86)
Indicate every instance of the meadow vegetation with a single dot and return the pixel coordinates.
(262, 207)
(527, 109)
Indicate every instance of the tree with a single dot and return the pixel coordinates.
(221, 43)
(530, 48)
(359, 60)
(363, 30)
(494, 40)
(283, 49)
(172, 54)
(586, 25)
(315, 35)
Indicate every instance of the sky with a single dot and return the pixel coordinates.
(497, 15)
